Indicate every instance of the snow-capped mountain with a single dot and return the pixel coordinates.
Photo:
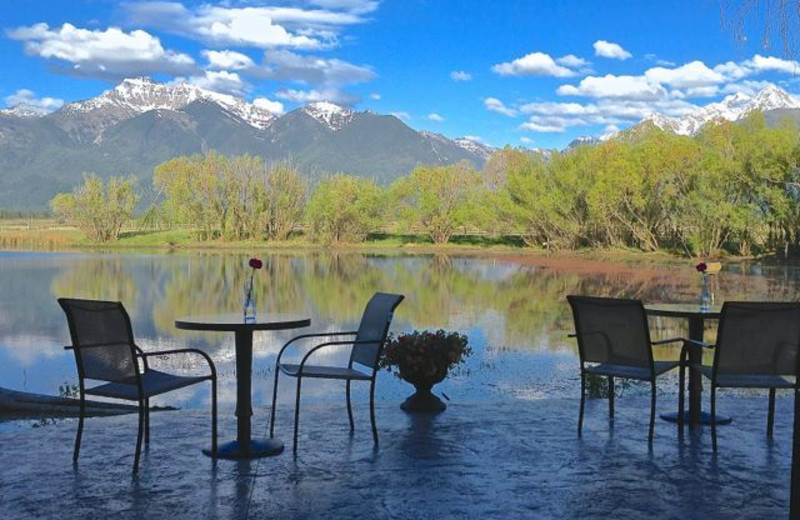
(329, 114)
(472, 145)
(140, 95)
(731, 108)
(24, 110)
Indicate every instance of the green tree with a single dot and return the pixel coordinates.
(282, 201)
(98, 210)
(344, 209)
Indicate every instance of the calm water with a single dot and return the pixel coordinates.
(512, 307)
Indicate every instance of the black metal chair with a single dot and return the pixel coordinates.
(614, 339)
(757, 347)
(367, 347)
(102, 339)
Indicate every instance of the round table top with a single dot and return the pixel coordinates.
(683, 310)
(235, 322)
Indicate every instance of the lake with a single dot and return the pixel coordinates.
(511, 305)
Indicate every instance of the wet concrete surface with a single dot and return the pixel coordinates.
(511, 459)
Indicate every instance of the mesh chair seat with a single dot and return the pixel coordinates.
(750, 380)
(325, 372)
(631, 372)
(153, 383)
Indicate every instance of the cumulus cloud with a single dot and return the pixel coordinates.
(375, 96)
(610, 50)
(274, 107)
(495, 105)
(610, 86)
(525, 140)
(108, 54)
(460, 75)
(570, 60)
(219, 81)
(405, 116)
(435, 117)
(264, 27)
(533, 64)
(28, 98)
(693, 74)
(333, 95)
(229, 60)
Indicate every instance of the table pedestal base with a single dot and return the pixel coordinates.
(705, 418)
(255, 449)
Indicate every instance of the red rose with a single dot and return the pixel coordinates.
(255, 263)
(701, 267)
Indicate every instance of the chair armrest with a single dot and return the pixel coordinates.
(670, 340)
(97, 345)
(700, 344)
(306, 336)
(330, 344)
(205, 356)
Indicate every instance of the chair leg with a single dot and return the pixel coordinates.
(147, 422)
(297, 413)
(77, 450)
(714, 417)
(349, 407)
(139, 437)
(372, 412)
(274, 399)
(214, 417)
(583, 400)
(611, 398)
(652, 410)
(771, 413)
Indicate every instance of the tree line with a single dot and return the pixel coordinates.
(733, 187)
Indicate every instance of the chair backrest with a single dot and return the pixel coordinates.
(374, 328)
(93, 322)
(758, 338)
(611, 330)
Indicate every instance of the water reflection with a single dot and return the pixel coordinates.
(511, 305)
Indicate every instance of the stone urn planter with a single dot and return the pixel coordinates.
(424, 359)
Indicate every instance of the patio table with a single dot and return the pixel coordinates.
(696, 318)
(245, 446)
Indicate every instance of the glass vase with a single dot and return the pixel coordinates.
(249, 307)
(705, 295)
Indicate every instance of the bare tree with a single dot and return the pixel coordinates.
(773, 20)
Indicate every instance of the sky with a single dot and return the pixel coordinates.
(505, 72)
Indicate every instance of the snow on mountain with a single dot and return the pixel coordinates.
(474, 146)
(139, 95)
(731, 108)
(24, 110)
(329, 114)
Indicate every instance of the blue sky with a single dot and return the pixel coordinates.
(518, 72)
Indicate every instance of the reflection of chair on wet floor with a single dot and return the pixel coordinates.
(614, 338)
(102, 339)
(366, 350)
(757, 347)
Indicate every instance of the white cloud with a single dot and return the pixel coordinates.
(219, 81)
(495, 105)
(475, 138)
(375, 96)
(287, 65)
(770, 63)
(405, 116)
(108, 54)
(264, 27)
(228, 60)
(334, 95)
(28, 97)
(570, 60)
(611, 50)
(697, 92)
(460, 75)
(435, 117)
(693, 74)
(526, 140)
(533, 64)
(548, 125)
(749, 87)
(274, 107)
(610, 86)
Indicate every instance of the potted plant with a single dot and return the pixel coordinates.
(423, 358)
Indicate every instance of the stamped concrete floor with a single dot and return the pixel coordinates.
(516, 459)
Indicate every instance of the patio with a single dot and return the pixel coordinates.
(510, 459)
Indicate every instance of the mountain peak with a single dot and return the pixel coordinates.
(330, 114)
(24, 110)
